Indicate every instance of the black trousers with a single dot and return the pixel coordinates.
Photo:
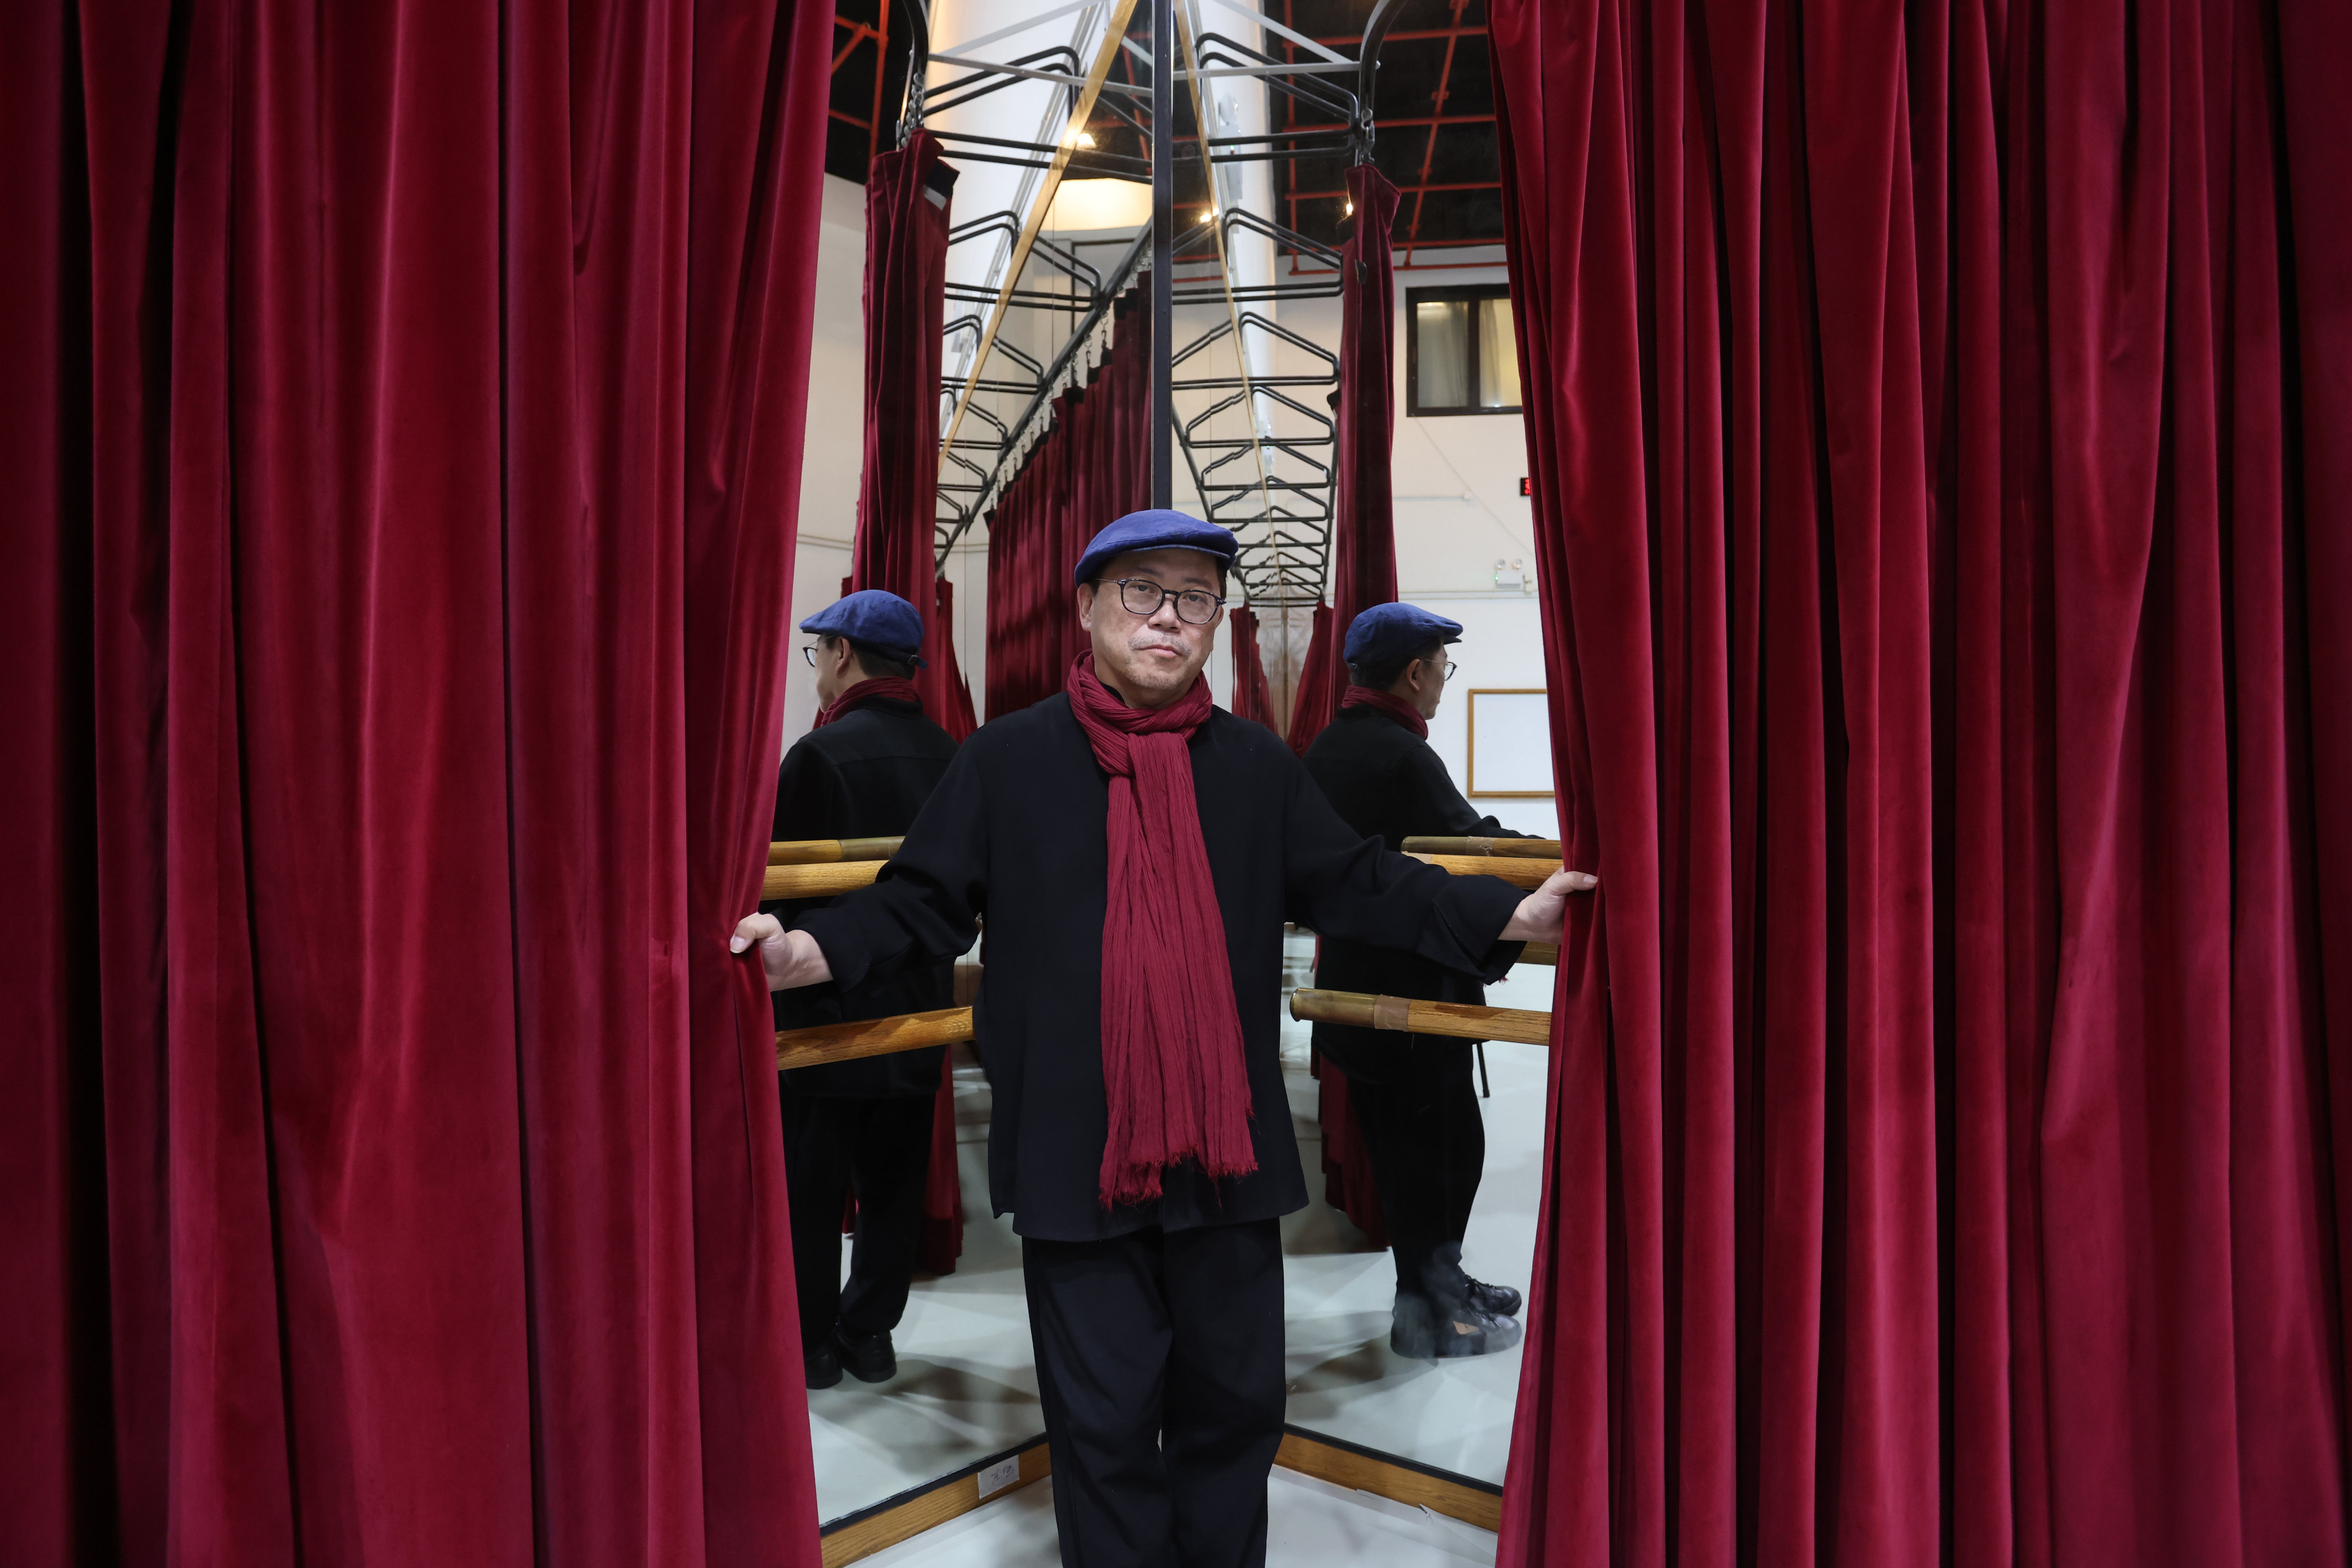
(879, 1149)
(1160, 1366)
(1428, 1148)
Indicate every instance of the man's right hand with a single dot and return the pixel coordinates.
(791, 958)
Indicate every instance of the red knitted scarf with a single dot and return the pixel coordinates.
(1388, 702)
(892, 688)
(1173, 1075)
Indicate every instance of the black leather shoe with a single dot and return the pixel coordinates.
(1422, 1330)
(869, 1359)
(1495, 1300)
(822, 1365)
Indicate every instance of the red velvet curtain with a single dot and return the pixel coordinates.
(1091, 467)
(1252, 697)
(907, 222)
(1936, 421)
(403, 422)
(1315, 698)
(1363, 524)
(906, 303)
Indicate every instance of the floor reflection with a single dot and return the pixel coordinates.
(1344, 1380)
(966, 1388)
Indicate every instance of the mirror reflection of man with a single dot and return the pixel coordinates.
(1411, 1094)
(1135, 852)
(859, 1127)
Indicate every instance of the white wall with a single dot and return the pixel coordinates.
(1458, 512)
(836, 434)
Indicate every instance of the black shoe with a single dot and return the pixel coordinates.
(870, 1358)
(1421, 1330)
(1495, 1300)
(822, 1365)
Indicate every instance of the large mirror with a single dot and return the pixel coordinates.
(1044, 347)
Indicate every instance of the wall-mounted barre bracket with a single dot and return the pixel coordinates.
(1460, 1020)
(871, 1037)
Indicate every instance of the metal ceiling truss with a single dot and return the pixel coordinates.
(1260, 450)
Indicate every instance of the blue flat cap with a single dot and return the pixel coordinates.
(883, 622)
(1387, 632)
(1155, 531)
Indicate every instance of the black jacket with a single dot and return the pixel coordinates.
(1015, 833)
(1385, 783)
(865, 775)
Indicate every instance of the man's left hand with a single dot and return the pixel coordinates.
(1542, 913)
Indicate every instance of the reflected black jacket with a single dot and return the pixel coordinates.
(1015, 833)
(865, 775)
(1386, 782)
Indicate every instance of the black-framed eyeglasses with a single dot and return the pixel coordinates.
(1450, 668)
(808, 652)
(1142, 596)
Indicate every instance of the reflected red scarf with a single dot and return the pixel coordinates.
(893, 687)
(1388, 702)
(1173, 1074)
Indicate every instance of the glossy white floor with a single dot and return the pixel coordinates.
(1344, 1381)
(966, 1388)
(1310, 1523)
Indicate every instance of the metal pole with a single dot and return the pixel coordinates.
(1163, 245)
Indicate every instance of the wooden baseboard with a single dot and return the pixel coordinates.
(1345, 1464)
(893, 1519)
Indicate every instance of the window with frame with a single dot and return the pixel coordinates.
(1460, 356)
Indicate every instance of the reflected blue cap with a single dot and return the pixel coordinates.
(1387, 632)
(1156, 530)
(881, 621)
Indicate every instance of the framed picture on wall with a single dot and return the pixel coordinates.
(1511, 743)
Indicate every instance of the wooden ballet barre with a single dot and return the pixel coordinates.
(1520, 873)
(821, 881)
(1511, 848)
(1459, 1019)
(872, 1037)
(825, 851)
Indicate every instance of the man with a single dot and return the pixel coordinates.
(864, 1126)
(1412, 1093)
(1135, 853)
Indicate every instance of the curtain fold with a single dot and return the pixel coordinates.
(1090, 468)
(1322, 677)
(1364, 514)
(1252, 697)
(409, 405)
(908, 208)
(1933, 414)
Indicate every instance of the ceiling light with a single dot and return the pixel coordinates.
(1086, 139)
(1351, 207)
